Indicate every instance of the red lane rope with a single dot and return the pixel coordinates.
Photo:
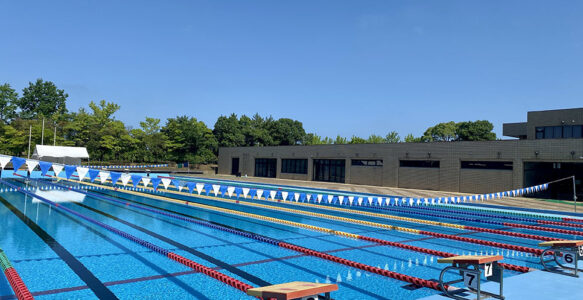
(20, 289)
(534, 227)
(560, 223)
(402, 277)
(572, 220)
(510, 233)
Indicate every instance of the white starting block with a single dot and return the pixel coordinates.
(294, 290)
(563, 252)
(470, 268)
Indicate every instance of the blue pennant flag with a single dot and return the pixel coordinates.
(114, 177)
(176, 183)
(93, 174)
(69, 170)
(44, 167)
(136, 179)
(17, 162)
(208, 188)
(291, 196)
(375, 201)
(191, 186)
(155, 182)
(222, 190)
(278, 195)
(252, 193)
(238, 192)
(334, 199)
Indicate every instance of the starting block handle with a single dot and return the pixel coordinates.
(569, 253)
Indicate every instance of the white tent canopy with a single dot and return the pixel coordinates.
(60, 154)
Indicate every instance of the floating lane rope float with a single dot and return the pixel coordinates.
(16, 283)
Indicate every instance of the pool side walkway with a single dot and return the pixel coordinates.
(535, 285)
(522, 202)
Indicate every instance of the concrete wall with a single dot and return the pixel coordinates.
(449, 177)
(557, 117)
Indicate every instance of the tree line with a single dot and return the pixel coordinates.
(180, 139)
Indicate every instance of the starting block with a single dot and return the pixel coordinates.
(294, 290)
(570, 252)
(470, 268)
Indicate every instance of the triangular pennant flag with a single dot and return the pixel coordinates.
(155, 182)
(284, 195)
(114, 177)
(125, 178)
(176, 183)
(223, 190)
(259, 194)
(245, 192)
(341, 199)
(319, 197)
(216, 188)
(102, 176)
(380, 201)
(272, 194)
(238, 192)
(4, 160)
(297, 196)
(252, 193)
(17, 162)
(146, 181)
(359, 201)
(82, 172)
(350, 199)
(329, 198)
(369, 200)
(199, 187)
(44, 167)
(230, 191)
(92, 174)
(191, 186)
(136, 180)
(166, 182)
(69, 170)
(31, 164)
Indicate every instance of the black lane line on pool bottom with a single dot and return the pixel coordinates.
(98, 288)
(251, 278)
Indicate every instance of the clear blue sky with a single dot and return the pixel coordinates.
(340, 67)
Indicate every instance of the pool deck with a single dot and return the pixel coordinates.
(521, 202)
(535, 285)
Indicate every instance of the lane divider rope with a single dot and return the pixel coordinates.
(20, 289)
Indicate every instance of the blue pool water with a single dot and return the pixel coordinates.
(61, 256)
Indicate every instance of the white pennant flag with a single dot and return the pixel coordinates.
(166, 182)
(387, 201)
(180, 188)
(297, 197)
(245, 192)
(125, 178)
(216, 188)
(350, 199)
(4, 160)
(309, 197)
(341, 199)
(369, 200)
(319, 197)
(31, 164)
(146, 181)
(259, 194)
(359, 200)
(284, 195)
(57, 169)
(199, 187)
(102, 176)
(380, 201)
(272, 194)
(82, 172)
(230, 191)
(330, 197)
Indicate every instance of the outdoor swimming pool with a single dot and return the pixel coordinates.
(60, 254)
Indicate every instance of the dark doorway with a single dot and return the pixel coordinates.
(331, 170)
(543, 172)
(265, 167)
(235, 166)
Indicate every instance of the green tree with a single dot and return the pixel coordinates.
(442, 132)
(42, 99)
(410, 138)
(392, 137)
(12, 141)
(375, 139)
(8, 98)
(228, 132)
(475, 131)
(287, 132)
(340, 140)
(357, 140)
(190, 140)
(150, 142)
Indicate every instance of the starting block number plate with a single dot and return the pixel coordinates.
(569, 257)
(471, 280)
(488, 270)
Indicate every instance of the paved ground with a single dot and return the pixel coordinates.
(510, 201)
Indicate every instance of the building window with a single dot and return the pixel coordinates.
(419, 163)
(367, 162)
(296, 166)
(559, 132)
(487, 165)
(265, 167)
(329, 170)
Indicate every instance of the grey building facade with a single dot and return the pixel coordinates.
(549, 147)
